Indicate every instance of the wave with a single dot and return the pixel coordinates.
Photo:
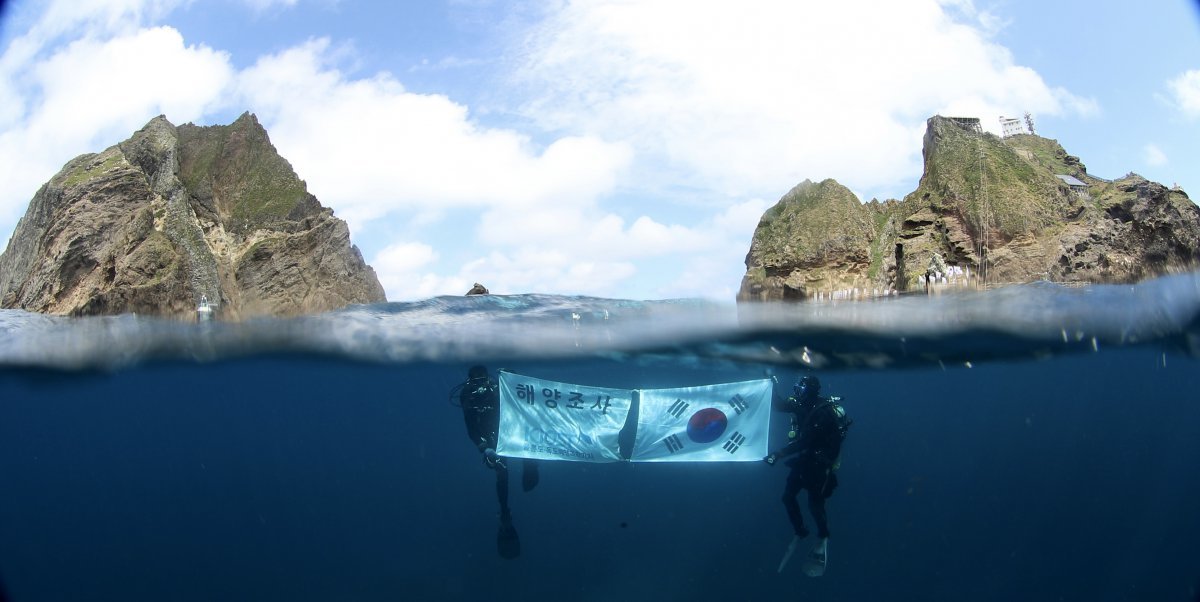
(1014, 322)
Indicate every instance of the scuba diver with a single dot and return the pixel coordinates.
(819, 426)
(479, 398)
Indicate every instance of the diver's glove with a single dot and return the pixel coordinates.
(770, 459)
(490, 457)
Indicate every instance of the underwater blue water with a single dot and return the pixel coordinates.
(1028, 443)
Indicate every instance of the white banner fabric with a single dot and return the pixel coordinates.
(548, 420)
(713, 423)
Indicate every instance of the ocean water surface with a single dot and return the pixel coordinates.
(1028, 443)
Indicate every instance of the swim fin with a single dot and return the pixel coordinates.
(508, 545)
(788, 554)
(817, 559)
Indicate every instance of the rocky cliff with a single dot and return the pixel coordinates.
(174, 214)
(988, 211)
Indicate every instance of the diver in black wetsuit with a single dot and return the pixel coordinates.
(480, 400)
(819, 426)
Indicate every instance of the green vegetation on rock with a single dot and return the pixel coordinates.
(90, 167)
(988, 208)
(811, 222)
(161, 219)
(987, 182)
(238, 168)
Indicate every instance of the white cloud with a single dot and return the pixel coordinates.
(91, 93)
(117, 83)
(547, 271)
(716, 272)
(712, 106)
(1185, 90)
(96, 17)
(742, 218)
(404, 271)
(369, 147)
(587, 236)
(264, 5)
(570, 252)
(405, 257)
(574, 253)
(752, 99)
(1153, 156)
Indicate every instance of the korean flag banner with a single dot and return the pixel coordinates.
(713, 423)
(549, 420)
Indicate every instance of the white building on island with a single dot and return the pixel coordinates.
(1011, 127)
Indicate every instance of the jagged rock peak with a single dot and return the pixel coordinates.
(175, 213)
(987, 211)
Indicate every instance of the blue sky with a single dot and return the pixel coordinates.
(612, 148)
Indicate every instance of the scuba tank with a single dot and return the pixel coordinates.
(842, 421)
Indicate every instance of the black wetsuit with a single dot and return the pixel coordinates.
(481, 411)
(820, 428)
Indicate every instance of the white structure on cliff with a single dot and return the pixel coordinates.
(1011, 127)
(1078, 187)
(968, 123)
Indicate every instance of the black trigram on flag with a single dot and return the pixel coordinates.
(673, 444)
(739, 404)
(678, 408)
(735, 441)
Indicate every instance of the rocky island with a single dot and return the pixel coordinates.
(176, 215)
(988, 211)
